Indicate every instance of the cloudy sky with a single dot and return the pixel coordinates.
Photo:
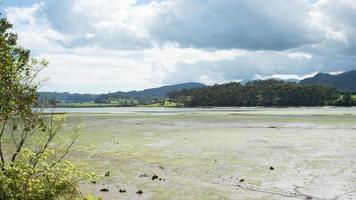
(100, 46)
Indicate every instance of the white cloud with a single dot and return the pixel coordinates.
(88, 72)
(109, 45)
(107, 70)
(115, 24)
(246, 24)
(299, 55)
(22, 16)
(33, 30)
(338, 21)
(285, 76)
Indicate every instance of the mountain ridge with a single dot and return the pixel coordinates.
(345, 81)
(158, 92)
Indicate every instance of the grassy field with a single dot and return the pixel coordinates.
(220, 155)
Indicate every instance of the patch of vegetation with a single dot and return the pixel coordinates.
(345, 99)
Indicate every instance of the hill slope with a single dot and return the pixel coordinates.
(344, 82)
(65, 97)
(160, 92)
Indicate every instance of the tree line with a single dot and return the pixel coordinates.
(262, 93)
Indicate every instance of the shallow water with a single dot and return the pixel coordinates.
(248, 110)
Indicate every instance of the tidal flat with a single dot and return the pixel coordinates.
(218, 153)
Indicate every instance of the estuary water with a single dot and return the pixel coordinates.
(241, 110)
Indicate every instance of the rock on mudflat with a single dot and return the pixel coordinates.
(154, 177)
(271, 168)
(104, 190)
(122, 190)
(107, 173)
(139, 192)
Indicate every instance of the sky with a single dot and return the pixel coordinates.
(99, 46)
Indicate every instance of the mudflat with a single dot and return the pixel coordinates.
(260, 153)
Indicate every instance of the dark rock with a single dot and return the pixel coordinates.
(160, 179)
(161, 167)
(107, 173)
(139, 192)
(309, 198)
(122, 190)
(93, 182)
(104, 190)
(154, 177)
(242, 180)
(271, 168)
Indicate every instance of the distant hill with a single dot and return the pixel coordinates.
(160, 92)
(66, 97)
(344, 82)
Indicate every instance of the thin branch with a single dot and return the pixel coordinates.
(24, 136)
(14, 139)
(19, 148)
(1, 153)
(67, 149)
(52, 133)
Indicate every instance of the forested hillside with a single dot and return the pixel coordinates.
(258, 93)
(161, 92)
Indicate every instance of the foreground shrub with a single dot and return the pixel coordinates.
(48, 180)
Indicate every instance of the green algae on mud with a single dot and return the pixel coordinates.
(204, 155)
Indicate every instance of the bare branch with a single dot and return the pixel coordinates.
(74, 139)
(53, 131)
(1, 153)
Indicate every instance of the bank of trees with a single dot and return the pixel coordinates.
(258, 93)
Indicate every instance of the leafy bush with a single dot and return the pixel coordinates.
(48, 180)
